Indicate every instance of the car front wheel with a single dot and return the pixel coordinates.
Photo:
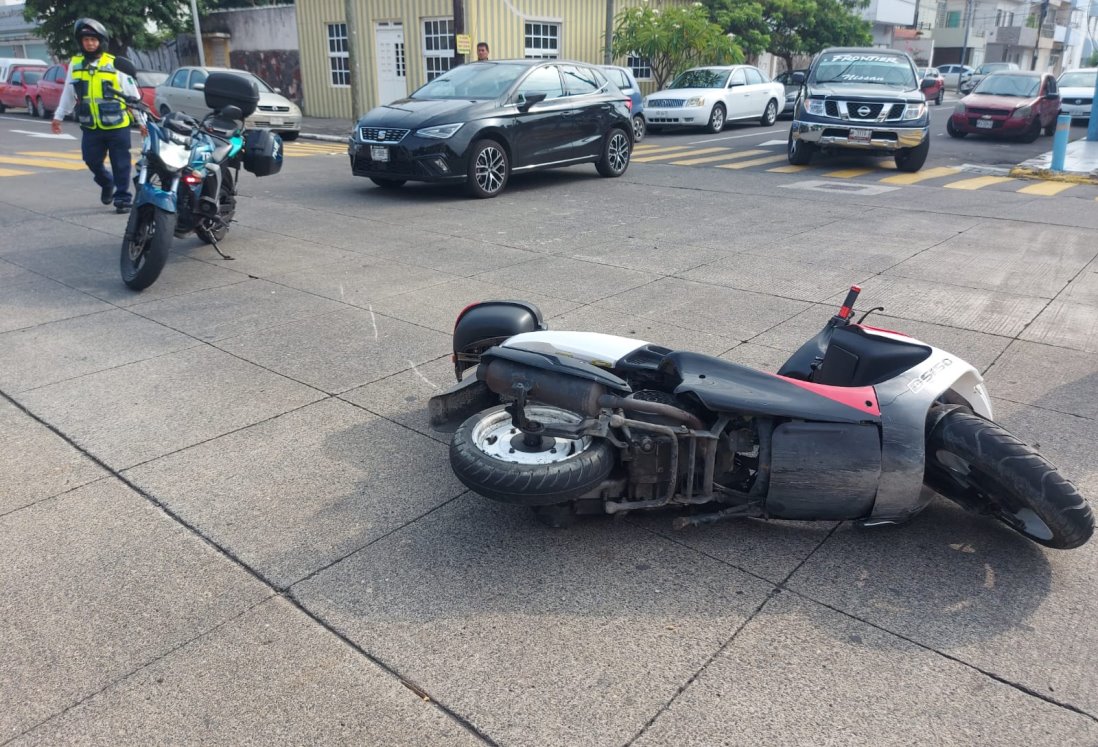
(489, 169)
(716, 119)
(953, 131)
(798, 152)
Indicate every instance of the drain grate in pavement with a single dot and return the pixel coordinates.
(821, 185)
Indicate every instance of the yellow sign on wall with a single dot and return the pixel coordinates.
(464, 43)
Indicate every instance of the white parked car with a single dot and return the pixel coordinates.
(1077, 92)
(952, 74)
(710, 96)
(183, 92)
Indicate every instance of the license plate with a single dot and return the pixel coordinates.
(860, 136)
(379, 153)
(276, 122)
(986, 124)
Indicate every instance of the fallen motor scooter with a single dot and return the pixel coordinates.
(853, 427)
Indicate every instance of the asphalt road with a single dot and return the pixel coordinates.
(223, 516)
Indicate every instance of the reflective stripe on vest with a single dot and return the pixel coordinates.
(95, 110)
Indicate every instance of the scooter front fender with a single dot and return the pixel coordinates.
(147, 194)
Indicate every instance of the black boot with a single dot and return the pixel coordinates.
(106, 193)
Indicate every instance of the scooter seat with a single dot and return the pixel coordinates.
(723, 386)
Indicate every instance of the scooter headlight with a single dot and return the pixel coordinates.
(173, 155)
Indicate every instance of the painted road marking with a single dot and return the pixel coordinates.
(42, 163)
(849, 173)
(773, 142)
(659, 148)
(823, 185)
(663, 156)
(52, 154)
(978, 183)
(921, 176)
(753, 162)
(724, 157)
(14, 172)
(789, 169)
(1046, 189)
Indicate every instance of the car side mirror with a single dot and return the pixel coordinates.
(278, 90)
(798, 79)
(927, 83)
(526, 100)
(199, 87)
(734, 85)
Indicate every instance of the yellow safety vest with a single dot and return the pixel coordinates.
(94, 110)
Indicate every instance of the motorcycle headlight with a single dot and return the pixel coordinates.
(817, 107)
(914, 111)
(1023, 111)
(696, 101)
(173, 155)
(440, 131)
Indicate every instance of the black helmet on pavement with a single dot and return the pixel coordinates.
(91, 27)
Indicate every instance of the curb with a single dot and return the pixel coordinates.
(1072, 177)
(326, 138)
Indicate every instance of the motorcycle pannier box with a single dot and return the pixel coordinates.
(262, 152)
(227, 89)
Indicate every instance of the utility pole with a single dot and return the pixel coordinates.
(354, 61)
(459, 28)
(1040, 23)
(607, 58)
(198, 34)
(964, 45)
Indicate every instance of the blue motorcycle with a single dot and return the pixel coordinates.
(187, 176)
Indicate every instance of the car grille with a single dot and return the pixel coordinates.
(858, 110)
(382, 134)
(666, 103)
(1078, 102)
(974, 111)
(274, 108)
(831, 108)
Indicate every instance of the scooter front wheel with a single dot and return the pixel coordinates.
(145, 251)
(493, 458)
(978, 464)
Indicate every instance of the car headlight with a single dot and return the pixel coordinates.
(1023, 111)
(914, 111)
(817, 107)
(696, 101)
(440, 131)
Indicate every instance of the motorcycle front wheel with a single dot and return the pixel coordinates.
(979, 465)
(491, 458)
(145, 254)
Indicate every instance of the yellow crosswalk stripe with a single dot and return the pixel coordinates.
(1046, 189)
(752, 162)
(14, 172)
(664, 155)
(647, 148)
(42, 163)
(921, 176)
(311, 148)
(978, 182)
(723, 157)
(789, 169)
(849, 173)
(52, 154)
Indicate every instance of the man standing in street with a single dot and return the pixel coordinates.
(482, 51)
(92, 86)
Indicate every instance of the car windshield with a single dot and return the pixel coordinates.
(1079, 79)
(854, 68)
(149, 78)
(478, 80)
(701, 78)
(1009, 85)
(992, 67)
(260, 83)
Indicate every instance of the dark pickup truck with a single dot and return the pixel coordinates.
(861, 99)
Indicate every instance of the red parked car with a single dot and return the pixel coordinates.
(20, 89)
(1011, 104)
(936, 90)
(50, 86)
(147, 81)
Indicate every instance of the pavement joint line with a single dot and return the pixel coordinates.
(62, 494)
(226, 553)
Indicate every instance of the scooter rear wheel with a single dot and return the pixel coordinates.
(490, 457)
(978, 464)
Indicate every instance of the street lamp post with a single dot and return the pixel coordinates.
(198, 34)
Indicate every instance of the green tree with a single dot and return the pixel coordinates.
(673, 39)
(788, 28)
(126, 20)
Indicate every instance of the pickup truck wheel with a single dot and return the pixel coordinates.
(799, 152)
(952, 131)
(912, 159)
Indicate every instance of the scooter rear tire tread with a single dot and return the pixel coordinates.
(1018, 470)
(527, 484)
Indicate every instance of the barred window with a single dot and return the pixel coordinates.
(542, 40)
(339, 57)
(642, 69)
(438, 46)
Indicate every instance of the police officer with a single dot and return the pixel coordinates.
(104, 119)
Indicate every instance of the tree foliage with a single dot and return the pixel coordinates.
(787, 28)
(672, 39)
(126, 20)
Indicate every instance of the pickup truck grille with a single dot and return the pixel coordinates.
(666, 103)
(864, 111)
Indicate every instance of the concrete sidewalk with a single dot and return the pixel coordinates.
(1080, 164)
(333, 130)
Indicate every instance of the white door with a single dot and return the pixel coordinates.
(392, 70)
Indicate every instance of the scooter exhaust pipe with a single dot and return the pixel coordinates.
(549, 387)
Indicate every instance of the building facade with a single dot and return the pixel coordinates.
(404, 43)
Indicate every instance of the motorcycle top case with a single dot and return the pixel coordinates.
(227, 89)
(262, 152)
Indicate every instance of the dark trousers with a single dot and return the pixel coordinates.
(95, 146)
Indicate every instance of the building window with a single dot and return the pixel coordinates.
(542, 40)
(953, 19)
(339, 58)
(642, 70)
(438, 46)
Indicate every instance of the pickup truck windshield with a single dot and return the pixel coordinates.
(860, 69)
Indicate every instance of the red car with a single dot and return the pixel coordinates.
(1009, 104)
(50, 86)
(147, 81)
(21, 87)
(936, 90)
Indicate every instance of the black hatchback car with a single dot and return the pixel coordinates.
(482, 121)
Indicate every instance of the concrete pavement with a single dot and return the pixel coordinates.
(224, 518)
